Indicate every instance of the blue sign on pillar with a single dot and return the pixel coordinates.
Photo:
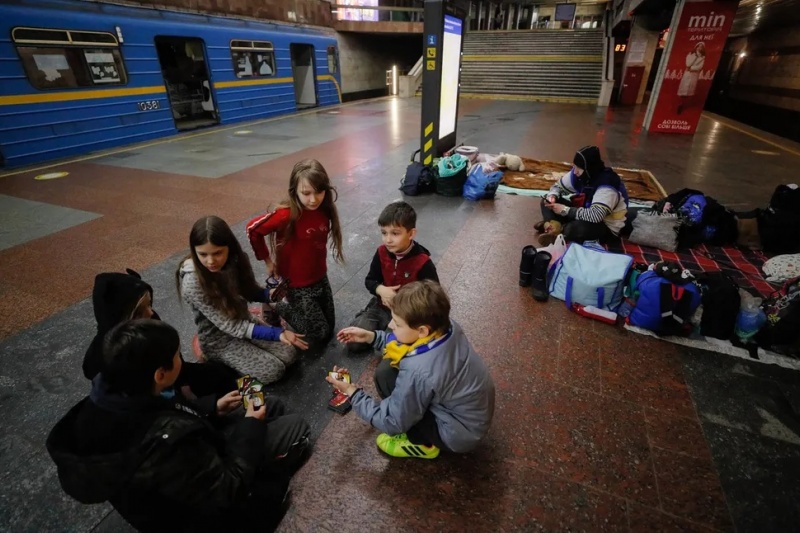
(431, 40)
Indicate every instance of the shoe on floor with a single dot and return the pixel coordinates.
(400, 446)
(539, 226)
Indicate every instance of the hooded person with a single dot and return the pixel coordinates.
(598, 203)
(118, 297)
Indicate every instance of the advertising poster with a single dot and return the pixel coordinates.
(451, 62)
(698, 43)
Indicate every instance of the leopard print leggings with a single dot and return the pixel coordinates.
(309, 311)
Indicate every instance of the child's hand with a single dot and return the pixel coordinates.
(348, 389)
(293, 339)
(387, 294)
(255, 412)
(352, 334)
(229, 402)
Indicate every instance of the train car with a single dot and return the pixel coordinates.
(80, 76)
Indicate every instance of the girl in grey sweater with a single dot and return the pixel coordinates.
(217, 281)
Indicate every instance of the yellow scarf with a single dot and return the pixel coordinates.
(396, 350)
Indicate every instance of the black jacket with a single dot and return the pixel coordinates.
(161, 463)
(114, 299)
(387, 270)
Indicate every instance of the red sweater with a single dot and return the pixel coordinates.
(303, 258)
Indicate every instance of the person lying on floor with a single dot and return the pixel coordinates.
(118, 297)
(603, 202)
(438, 393)
(167, 463)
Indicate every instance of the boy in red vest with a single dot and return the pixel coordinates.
(397, 262)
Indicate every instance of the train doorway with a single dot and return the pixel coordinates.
(303, 71)
(185, 70)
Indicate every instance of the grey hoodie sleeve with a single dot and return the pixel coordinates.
(379, 343)
(193, 295)
(399, 412)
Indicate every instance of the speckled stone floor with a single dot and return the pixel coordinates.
(596, 428)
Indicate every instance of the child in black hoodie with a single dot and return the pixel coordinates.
(118, 297)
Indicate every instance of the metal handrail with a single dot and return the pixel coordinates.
(380, 8)
(416, 70)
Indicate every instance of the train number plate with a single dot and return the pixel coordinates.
(148, 105)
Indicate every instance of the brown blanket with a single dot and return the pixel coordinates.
(540, 175)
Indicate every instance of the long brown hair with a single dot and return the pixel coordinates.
(312, 171)
(228, 289)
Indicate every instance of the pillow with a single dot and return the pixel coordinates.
(656, 230)
(782, 267)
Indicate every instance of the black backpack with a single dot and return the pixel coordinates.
(721, 302)
(779, 224)
(419, 178)
(781, 333)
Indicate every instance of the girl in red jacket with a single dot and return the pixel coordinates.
(298, 232)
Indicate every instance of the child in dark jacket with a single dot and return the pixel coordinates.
(118, 297)
(438, 393)
(164, 462)
(398, 261)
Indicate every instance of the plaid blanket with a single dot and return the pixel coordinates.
(743, 266)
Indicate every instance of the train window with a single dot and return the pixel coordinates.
(40, 35)
(333, 59)
(72, 67)
(65, 59)
(252, 58)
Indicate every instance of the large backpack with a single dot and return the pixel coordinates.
(418, 179)
(721, 302)
(781, 333)
(779, 224)
(664, 307)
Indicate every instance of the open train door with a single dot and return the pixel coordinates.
(303, 71)
(186, 76)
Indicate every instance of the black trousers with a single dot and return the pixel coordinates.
(207, 378)
(578, 230)
(374, 317)
(426, 431)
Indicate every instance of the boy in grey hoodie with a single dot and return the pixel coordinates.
(438, 393)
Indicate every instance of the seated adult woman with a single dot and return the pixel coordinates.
(602, 196)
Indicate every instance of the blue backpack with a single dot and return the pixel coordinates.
(664, 307)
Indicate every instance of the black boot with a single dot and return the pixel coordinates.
(540, 266)
(526, 266)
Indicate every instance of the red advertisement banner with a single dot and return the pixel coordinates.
(697, 46)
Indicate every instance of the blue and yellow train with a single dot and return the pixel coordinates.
(78, 76)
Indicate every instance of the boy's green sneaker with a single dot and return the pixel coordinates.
(400, 446)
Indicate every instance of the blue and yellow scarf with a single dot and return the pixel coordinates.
(395, 350)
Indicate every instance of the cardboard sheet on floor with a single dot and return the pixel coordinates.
(540, 175)
(724, 347)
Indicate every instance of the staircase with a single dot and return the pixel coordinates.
(541, 65)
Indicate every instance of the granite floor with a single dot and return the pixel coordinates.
(596, 428)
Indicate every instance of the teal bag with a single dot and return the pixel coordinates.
(452, 174)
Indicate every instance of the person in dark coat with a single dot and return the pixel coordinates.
(166, 463)
(117, 297)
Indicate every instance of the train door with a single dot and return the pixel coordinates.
(186, 76)
(304, 73)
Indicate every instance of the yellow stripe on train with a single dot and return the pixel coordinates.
(68, 96)
(78, 95)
